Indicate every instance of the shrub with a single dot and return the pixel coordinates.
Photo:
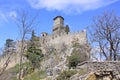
(65, 75)
(76, 57)
(34, 55)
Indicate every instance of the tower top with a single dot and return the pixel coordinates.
(58, 17)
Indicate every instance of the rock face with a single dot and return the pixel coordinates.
(101, 75)
(91, 76)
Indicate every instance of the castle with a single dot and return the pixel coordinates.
(60, 36)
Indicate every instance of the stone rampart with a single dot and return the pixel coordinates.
(63, 38)
(101, 66)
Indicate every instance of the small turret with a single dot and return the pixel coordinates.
(44, 34)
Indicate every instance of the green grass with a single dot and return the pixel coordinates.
(83, 71)
(65, 75)
(16, 68)
(36, 75)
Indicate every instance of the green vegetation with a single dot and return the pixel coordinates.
(34, 40)
(73, 61)
(65, 75)
(34, 55)
(76, 57)
(30, 68)
(67, 29)
(12, 72)
(79, 54)
(32, 75)
(15, 69)
(36, 75)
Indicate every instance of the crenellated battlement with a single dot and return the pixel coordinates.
(63, 38)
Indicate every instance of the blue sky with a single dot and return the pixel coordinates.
(78, 14)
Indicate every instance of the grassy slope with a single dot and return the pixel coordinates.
(11, 74)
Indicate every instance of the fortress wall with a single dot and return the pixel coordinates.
(81, 36)
(59, 39)
(101, 66)
(12, 58)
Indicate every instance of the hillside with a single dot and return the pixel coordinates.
(51, 66)
(61, 55)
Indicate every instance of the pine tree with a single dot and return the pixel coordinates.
(67, 29)
(34, 55)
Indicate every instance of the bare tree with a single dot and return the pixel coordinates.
(7, 52)
(106, 35)
(5, 65)
(25, 23)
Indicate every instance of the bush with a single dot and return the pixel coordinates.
(15, 69)
(76, 57)
(73, 61)
(34, 55)
(36, 76)
(65, 75)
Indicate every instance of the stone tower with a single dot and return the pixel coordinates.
(58, 25)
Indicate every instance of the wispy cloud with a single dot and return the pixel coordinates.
(68, 6)
(5, 17)
(13, 14)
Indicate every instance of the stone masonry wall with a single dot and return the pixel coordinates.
(101, 66)
(63, 38)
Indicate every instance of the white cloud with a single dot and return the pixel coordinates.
(13, 14)
(3, 17)
(68, 6)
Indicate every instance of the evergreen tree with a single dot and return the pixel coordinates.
(34, 55)
(67, 29)
(33, 36)
(34, 41)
